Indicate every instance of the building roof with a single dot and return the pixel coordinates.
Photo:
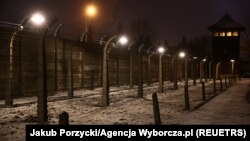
(226, 23)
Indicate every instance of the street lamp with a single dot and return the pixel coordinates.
(232, 61)
(123, 40)
(195, 58)
(182, 54)
(202, 69)
(194, 70)
(37, 19)
(140, 72)
(56, 33)
(217, 71)
(161, 50)
(186, 95)
(210, 68)
(42, 111)
(130, 64)
(205, 69)
(174, 71)
(150, 54)
(90, 12)
(105, 91)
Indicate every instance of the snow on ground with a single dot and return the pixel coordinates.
(125, 108)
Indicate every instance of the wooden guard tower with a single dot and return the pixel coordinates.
(226, 43)
(226, 39)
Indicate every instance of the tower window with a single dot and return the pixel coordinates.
(216, 34)
(229, 34)
(222, 34)
(235, 34)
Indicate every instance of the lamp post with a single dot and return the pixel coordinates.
(36, 19)
(55, 52)
(90, 12)
(149, 70)
(150, 54)
(105, 86)
(130, 65)
(70, 68)
(210, 69)
(205, 69)
(232, 61)
(82, 39)
(186, 95)
(161, 50)
(202, 69)
(174, 67)
(182, 55)
(102, 42)
(42, 111)
(140, 83)
(194, 70)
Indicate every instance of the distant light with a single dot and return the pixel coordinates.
(161, 49)
(195, 57)
(21, 27)
(123, 40)
(182, 54)
(204, 60)
(91, 10)
(232, 60)
(37, 19)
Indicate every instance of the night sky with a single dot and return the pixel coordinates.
(172, 19)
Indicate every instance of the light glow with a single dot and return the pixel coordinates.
(161, 50)
(229, 34)
(123, 40)
(37, 19)
(222, 34)
(91, 10)
(182, 54)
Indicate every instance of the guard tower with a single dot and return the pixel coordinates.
(226, 39)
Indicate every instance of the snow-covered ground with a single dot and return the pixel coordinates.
(125, 108)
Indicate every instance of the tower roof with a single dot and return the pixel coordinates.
(226, 23)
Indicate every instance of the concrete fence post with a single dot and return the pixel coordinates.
(203, 91)
(225, 82)
(214, 84)
(156, 109)
(64, 118)
(221, 85)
